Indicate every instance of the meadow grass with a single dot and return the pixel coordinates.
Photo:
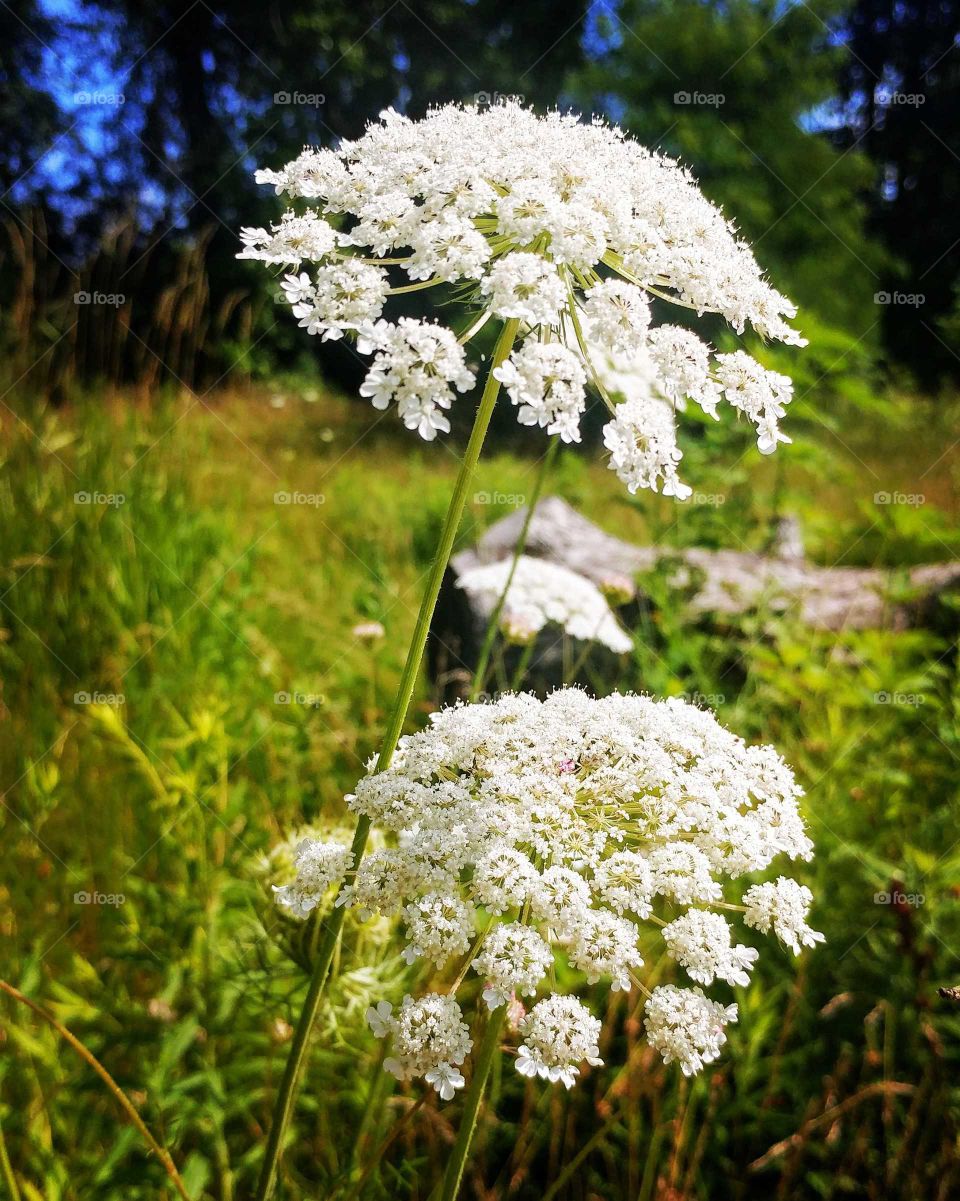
(182, 691)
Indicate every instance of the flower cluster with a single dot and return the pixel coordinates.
(569, 228)
(319, 865)
(599, 831)
(430, 1039)
(543, 593)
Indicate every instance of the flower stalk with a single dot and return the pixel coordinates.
(480, 674)
(293, 1069)
(471, 1105)
(162, 1154)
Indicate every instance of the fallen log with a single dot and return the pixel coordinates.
(724, 583)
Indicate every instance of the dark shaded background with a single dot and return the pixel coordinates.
(131, 131)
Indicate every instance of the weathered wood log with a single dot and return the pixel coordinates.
(725, 582)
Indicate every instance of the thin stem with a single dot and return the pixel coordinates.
(523, 664)
(479, 676)
(286, 1094)
(475, 327)
(6, 1170)
(594, 1141)
(116, 1091)
(418, 287)
(584, 348)
(471, 955)
(471, 1105)
(384, 1147)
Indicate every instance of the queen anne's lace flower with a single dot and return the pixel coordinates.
(700, 941)
(682, 364)
(430, 1039)
(347, 295)
(543, 593)
(535, 832)
(503, 878)
(559, 1033)
(514, 960)
(546, 381)
(783, 907)
(685, 1025)
(618, 315)
(760, 394)
(418, 365)
(291, 241)
(625, 883)
(525, 286)
(438, 927)
(319, 865)
(606, 945)
(642, 441)
(565, 226)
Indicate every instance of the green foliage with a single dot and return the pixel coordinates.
(730, 90)
(199, 599)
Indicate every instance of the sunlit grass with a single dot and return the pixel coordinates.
(200, 599)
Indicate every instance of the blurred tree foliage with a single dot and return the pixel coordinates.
(733, 90)
(146, 193)
(210, 92)
(28, 116)
(901, 82)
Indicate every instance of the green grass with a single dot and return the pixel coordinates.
(199, 599)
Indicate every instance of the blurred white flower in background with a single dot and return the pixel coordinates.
(543, 593)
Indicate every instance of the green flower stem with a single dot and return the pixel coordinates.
(523, 664)
(293, 1069)
(6, 1170)
(471, 1105)
(121, 1098)
(480, 675)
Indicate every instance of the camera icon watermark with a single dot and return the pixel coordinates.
(704, 700)
(912, 500)
(910, 700)
(310, 499)
(111, 300)
(489, 99)
(911, 300)
(888, 99)
(307, 99)
(109, 99)
(310, 700)
(911, 899)
(511, 500)
(113, 500)
(704, 99)
(111, 899)
(113, 699)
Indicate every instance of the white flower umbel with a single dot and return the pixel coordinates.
(514, 960)
(642, 441)
(430, 1039)
(546, 381)
(543, 593)
(319, 865)
(783, 907)
(526, 286)
(567, 226)
(685, 1025)
(559, 1034)
(572, 833)
(417, 364)
(618, 316)
(700, 941)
